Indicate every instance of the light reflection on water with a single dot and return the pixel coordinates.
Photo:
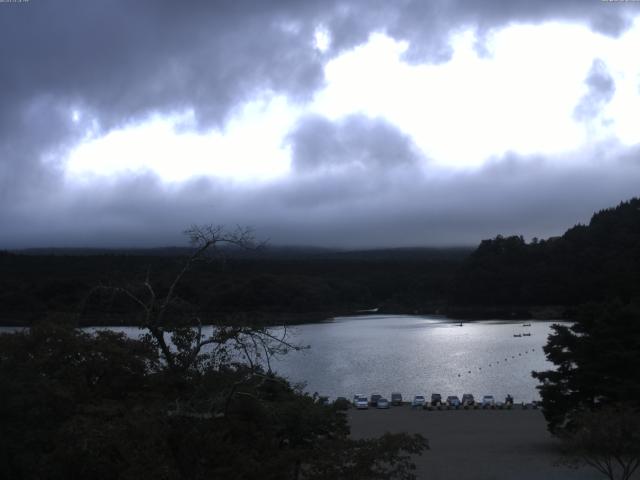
(412, 355)
(417, 355)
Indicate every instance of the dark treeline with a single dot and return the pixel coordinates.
(503, 277)
(589, 263)
(277, 283)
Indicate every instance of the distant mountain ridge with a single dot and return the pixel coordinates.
(268, 252)
(504, 277)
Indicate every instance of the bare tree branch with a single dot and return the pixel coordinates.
(253, 342)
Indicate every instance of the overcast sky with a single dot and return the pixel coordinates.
(319, 122)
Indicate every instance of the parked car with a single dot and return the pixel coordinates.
(382, 403)
(360, 401)
(488, 401)
(396, 398)
(418, 401)
(453, 401)
(436, 399)
(467, 399)
(374, 399)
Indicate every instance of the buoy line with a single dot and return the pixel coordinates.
(497, 362)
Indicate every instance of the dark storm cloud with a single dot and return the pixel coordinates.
(355, 141)
(426, 25)
(120, 61)
(124, 59)
(601, 88)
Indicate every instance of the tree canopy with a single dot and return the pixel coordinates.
(173, 404)
(589, 263)
(595, 361)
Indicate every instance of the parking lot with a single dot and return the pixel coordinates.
(489, 444)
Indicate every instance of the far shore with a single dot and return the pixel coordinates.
(475, 444)
(467, 314)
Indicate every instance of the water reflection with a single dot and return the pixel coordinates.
(418, 355)
(412, 355)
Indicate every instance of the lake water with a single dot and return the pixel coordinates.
(418, 355)
(414, 355)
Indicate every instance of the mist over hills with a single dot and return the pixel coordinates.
(502, 277)
(267, 252)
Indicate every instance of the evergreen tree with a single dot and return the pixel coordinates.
(596, 361)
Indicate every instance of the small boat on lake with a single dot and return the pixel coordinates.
(526, 334)
(517, 334)
(526, 324)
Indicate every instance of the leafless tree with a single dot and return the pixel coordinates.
(182, 345)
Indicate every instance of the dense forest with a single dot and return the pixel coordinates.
(589, 263)
(277, 284)
(503, 277)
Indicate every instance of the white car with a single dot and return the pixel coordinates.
(382, 403)
(361, 402)
(418, 401)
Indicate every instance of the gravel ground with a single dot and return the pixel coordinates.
(475, 444)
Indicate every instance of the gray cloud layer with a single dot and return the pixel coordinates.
(355, 142)
(601, 90)
(378, 206)
(356, 182)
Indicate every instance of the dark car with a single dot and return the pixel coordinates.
(453, 401)
(396, 398)
(436, 399)
(467, 399)
(374, 399)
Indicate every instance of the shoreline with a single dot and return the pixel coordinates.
(269, 318)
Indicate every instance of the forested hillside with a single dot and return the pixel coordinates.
(279, 284)
(503, 277)
(589, 263)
